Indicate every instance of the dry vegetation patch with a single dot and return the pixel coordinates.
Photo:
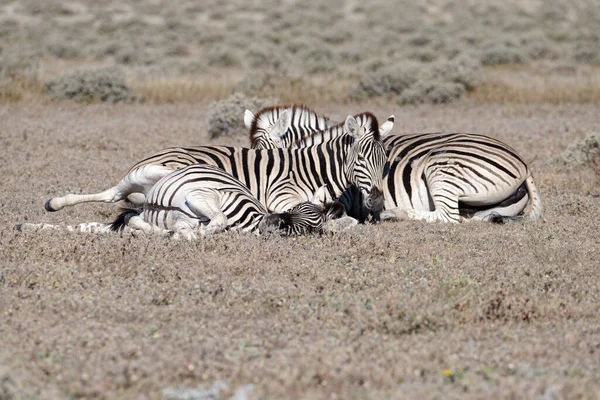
(403, 309)
(539, 84)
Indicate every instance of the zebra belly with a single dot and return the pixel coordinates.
(493, 195)
(509, 206)
(169, 218)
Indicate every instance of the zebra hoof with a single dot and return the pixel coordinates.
(48, 207)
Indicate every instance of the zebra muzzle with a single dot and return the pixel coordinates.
(375, 201)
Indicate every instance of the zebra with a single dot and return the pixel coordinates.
(278, 178)
(266, 133)
(203, 200)
(447, 177)
(185, 199)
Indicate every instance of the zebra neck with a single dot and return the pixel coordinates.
(330, 164)
(319, 137)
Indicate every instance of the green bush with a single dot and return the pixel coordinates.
(87, 85)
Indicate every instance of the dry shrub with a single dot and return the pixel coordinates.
(415, 83)
(503, 54)
(584, 151)
(222, 58)
(388, 80)
(319, 60)
(587, 53)
(263, 57)
(433, 92)
(88, 85)
(227, 116)
(135, 54)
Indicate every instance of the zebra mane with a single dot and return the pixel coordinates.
(366, 119)
(266, 117)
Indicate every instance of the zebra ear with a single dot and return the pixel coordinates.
(387, 126)
(352, 127)
(248, 118)
(282, 125)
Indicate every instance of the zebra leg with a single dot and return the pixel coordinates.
(207, 203)
(87, 227)
(137, 223)
(445, 203)
(394, 214)
(139, 180)
(136, 198)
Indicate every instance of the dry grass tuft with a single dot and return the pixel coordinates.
(529, 85)
(181, 89)
(19, 89)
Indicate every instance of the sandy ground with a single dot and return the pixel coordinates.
(396, 310)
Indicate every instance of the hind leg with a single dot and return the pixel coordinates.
(444, 196)
(207, 203)
(137, 223)
(139, 180)
(98, 228)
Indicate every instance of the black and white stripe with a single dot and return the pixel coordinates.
(279, 179)
(267, 131)
(204, 200)
(449, 177)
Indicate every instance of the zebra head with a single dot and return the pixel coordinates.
(267, 127)
(366, 159)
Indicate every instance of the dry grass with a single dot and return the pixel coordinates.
(285, 89)
(19, 90)
(528, 84)
(181, 89)
(398, 310)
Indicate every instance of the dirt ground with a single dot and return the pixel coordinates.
(396, 310)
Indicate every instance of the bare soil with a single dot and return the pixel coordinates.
(395, 310)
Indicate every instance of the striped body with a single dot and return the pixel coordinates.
(265, 133)
(279, 179)
(450, 177)
(204, 200)
(185, 200)
(453, 176)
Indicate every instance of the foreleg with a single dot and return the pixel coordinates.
(137, 181)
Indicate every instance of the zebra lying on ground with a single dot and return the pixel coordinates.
(449, 177)
(265, 133)
(279, 178)
(185, 199)
(205, 200)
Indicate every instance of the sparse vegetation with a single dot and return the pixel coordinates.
(227, 116)
(585, 152)
(180, 40)
(415, 83)
(87, 85)
(394, 310)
